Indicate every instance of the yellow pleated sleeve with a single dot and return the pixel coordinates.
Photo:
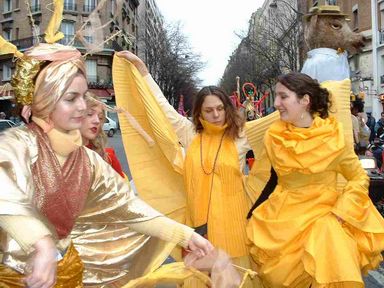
(157, 169)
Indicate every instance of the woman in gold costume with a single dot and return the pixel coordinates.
(309, 234)
(55, 192)
(215, 145)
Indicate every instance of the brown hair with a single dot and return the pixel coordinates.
(300, 83)
(232, 118)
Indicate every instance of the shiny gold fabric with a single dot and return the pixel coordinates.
(109, 249)
(60, 192)
(69, 273)
(23, 79)
(295, 234)
(224, 204)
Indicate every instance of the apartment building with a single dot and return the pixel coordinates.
(24, 26)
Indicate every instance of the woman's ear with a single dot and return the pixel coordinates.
(305, 100)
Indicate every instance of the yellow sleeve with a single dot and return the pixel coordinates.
(157, 170)
(354, 205)
(183, 127)
(26, 231)
(166, 229)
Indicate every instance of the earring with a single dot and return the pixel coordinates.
(302, 116)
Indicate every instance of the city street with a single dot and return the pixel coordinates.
(375, 279)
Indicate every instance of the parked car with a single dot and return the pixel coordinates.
(5, 124)
(110, 126)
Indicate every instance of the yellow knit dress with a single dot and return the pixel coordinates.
(308, 233)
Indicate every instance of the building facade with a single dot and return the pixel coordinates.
(24, 26)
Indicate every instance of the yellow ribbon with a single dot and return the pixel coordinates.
(52, 34)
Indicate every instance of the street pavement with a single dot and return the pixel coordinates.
(374, 279)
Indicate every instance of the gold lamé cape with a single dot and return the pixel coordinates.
(110, 250)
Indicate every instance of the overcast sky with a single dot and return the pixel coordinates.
(210, 26)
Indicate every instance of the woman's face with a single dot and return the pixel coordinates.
(92, 123)
(69, 110)
(291, 108)
(213, 111)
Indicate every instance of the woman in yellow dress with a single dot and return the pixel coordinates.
(215, 145)
(308, 234)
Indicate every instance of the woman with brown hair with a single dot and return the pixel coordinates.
(308, 233)
(215, 145)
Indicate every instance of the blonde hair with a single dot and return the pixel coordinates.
(51, 83)
(100, 142)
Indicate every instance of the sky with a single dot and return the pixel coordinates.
(210, 26)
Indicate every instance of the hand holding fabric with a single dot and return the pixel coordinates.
(43, 264)
(135, 60)
(199, 246)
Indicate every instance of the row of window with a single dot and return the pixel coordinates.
(89, 5)
(91, 66)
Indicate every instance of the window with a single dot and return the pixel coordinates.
(68, 29)
(91, 66)
(17, 4)
(89, 5)
(7, 72)
(7, 6)
(35, 6)
(70, 5)
(355, 16)
(331, 2)
(7, 34)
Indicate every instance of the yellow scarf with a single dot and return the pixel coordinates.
(223, 206)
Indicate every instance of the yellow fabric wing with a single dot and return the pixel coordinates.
(157, 169)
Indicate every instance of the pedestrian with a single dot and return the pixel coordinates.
(379, 127)
(55, 190)
(93, 135)
(371, 122)
(307, 234)
(215, 146)
(2, 115)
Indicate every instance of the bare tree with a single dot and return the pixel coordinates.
(171, 62)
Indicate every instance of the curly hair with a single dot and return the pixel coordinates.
(232, 118)
(99, 143)
(302, 84)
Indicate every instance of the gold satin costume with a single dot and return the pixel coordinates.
(109, 248)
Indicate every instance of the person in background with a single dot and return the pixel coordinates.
(371, 122)
(307, 233)
(379, 127)
(93, 135)
(2, 115)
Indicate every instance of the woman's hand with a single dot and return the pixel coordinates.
(43, 264)
(139, 64)
(199, 246)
